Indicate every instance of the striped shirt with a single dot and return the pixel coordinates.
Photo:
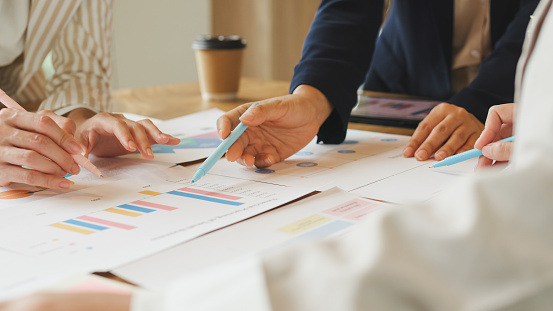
(77, 33)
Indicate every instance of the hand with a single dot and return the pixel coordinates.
(277, 127)
(107, 134)
(69, 302)
(499, 125)
(448, 126)
(40, 141)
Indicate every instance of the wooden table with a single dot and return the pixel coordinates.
(171, 101)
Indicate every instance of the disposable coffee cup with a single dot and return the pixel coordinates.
(219, 63)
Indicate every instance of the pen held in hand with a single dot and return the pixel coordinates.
(221, 149)
(467, 155)
(79, 158)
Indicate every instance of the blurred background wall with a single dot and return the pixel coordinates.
(152, 39)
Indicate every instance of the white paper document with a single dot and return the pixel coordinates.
(328, 214)
(101, 227)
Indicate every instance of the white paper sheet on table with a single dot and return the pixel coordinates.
(100, 227)
(198, 134)
(112, 169)
(328, 214)
(419, 183)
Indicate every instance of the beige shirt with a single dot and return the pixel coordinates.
(78, 34)
(471, 40)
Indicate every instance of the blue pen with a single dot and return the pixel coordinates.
(221, 149)
(467, 155)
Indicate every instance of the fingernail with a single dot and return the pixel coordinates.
(75, 169)
(75, 148)
(65, 184)
(246, 117)
(268, 161)
(440, 155)
(421, 155)
(63, 173)
(149, 152)
(220, 132)
(132, 146)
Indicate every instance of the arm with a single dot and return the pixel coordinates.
(336, 56)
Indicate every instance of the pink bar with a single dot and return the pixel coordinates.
(155, 205)
(347, 207)
(360, 214)
(106, 222)
(211, 194)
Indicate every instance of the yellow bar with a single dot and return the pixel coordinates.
(71, 228)
(304, 224)
(148, 192)
(122, 212)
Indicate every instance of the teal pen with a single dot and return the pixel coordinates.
(467, 155)
(221, 149)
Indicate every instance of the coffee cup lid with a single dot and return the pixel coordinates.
(218, 42)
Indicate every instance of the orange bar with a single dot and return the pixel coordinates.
(122, 212)
(71, 228)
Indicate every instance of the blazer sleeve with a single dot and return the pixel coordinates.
(336, 56)
(494, 83)
(81, 58)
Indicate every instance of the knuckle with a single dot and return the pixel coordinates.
(39, 140)
(442, 129)
(29, 177)
(44, 121)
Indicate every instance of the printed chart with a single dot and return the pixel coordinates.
(98, 228)
(327, 166)
(330, 214)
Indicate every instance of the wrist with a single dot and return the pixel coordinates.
(317, 99)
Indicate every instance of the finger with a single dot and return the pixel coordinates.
(230, 120)
(141, 139)
(422, 132)
(31, 159)
(44, 125)
(263, 160)
(499, 151)
(483, 162)
(237, 149)
(440, 134)
(156, 135)
(122, 132)
(11, 173)
(65, 124)
(497, 116)
(38, 147)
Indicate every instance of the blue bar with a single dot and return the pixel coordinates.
(205, 198)
(85, 224)
(136, 208)
(327, 230)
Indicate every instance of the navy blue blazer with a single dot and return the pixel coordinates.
(412, 55)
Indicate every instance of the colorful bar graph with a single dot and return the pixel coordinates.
(71, 228)
(204, 198)
(123, 212)
(85, 224)
(210, 193)
(136, 208)
(106, 222)
(155, 205)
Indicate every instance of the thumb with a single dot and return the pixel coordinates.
(498, 151)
